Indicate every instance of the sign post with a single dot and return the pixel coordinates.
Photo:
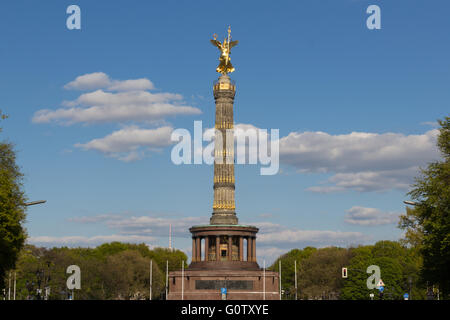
(381, 289)
(223, 292)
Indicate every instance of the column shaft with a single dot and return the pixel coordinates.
(241, 248)
(249, 249)
(254, 249)
(206, 248)
(194, 254)
(217, 248)
(198, 250)
(230, 247)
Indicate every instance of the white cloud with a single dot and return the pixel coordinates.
(124, 144)
(310, 237)
(100, 80)
(145, 225)
(370, 216)
(433, 124)
(118, 107)
(133, 98)
(89, 81)
(128, 101)
(276, 234)
(272, 240)
(269, 255)
(269, 233)
(87, 241)
(360, 161)
(96, 219)
(131, 85)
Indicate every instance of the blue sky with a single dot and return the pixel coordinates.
(355, 109)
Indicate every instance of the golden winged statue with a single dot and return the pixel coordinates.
(225, 65)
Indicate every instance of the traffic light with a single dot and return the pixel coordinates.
(344, 272)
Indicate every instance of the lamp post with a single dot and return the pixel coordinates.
(30, 285)
(411, 203)
(32, 203)
(44, 279)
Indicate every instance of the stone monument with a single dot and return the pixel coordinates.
(223, 252)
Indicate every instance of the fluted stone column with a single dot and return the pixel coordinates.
(230, 247)
(199, 249)
(218, 248)
(249, 249)
(241, 248)
(206, 248)
(194, 251)
(224, 201)
(254, 249)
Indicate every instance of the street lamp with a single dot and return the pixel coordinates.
(35, 202)
(44, 279)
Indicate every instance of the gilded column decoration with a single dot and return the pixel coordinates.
(224, 207)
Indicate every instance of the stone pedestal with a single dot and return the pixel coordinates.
(240, 285)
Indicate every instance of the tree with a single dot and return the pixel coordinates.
(320, 273)
(355, 287)
(398, 264)
(127, 276)
(413, 229)
(429, 222)
(12, 209)
(287, 268)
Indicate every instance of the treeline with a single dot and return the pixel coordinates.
(110, 271)
(122, 271)
(319, 272)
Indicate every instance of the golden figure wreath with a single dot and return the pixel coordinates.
(225, 65)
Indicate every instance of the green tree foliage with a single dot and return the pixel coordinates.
(399, 268)
(287, 268)
(413, 229)
(355, 287)
(12, 209)
(127, 276)
(429, 222)
(174, 257)
(320, 274)
(110, 271)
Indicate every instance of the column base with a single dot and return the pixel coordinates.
(223, 218)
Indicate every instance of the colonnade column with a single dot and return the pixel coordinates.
(249, 249)
(241, 248)
(206, 248)
(230, 247)
(254, 249)
(217, 248)
(194, 253)
(198, 250)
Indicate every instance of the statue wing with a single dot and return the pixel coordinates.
(233, 43)
(217, 44)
